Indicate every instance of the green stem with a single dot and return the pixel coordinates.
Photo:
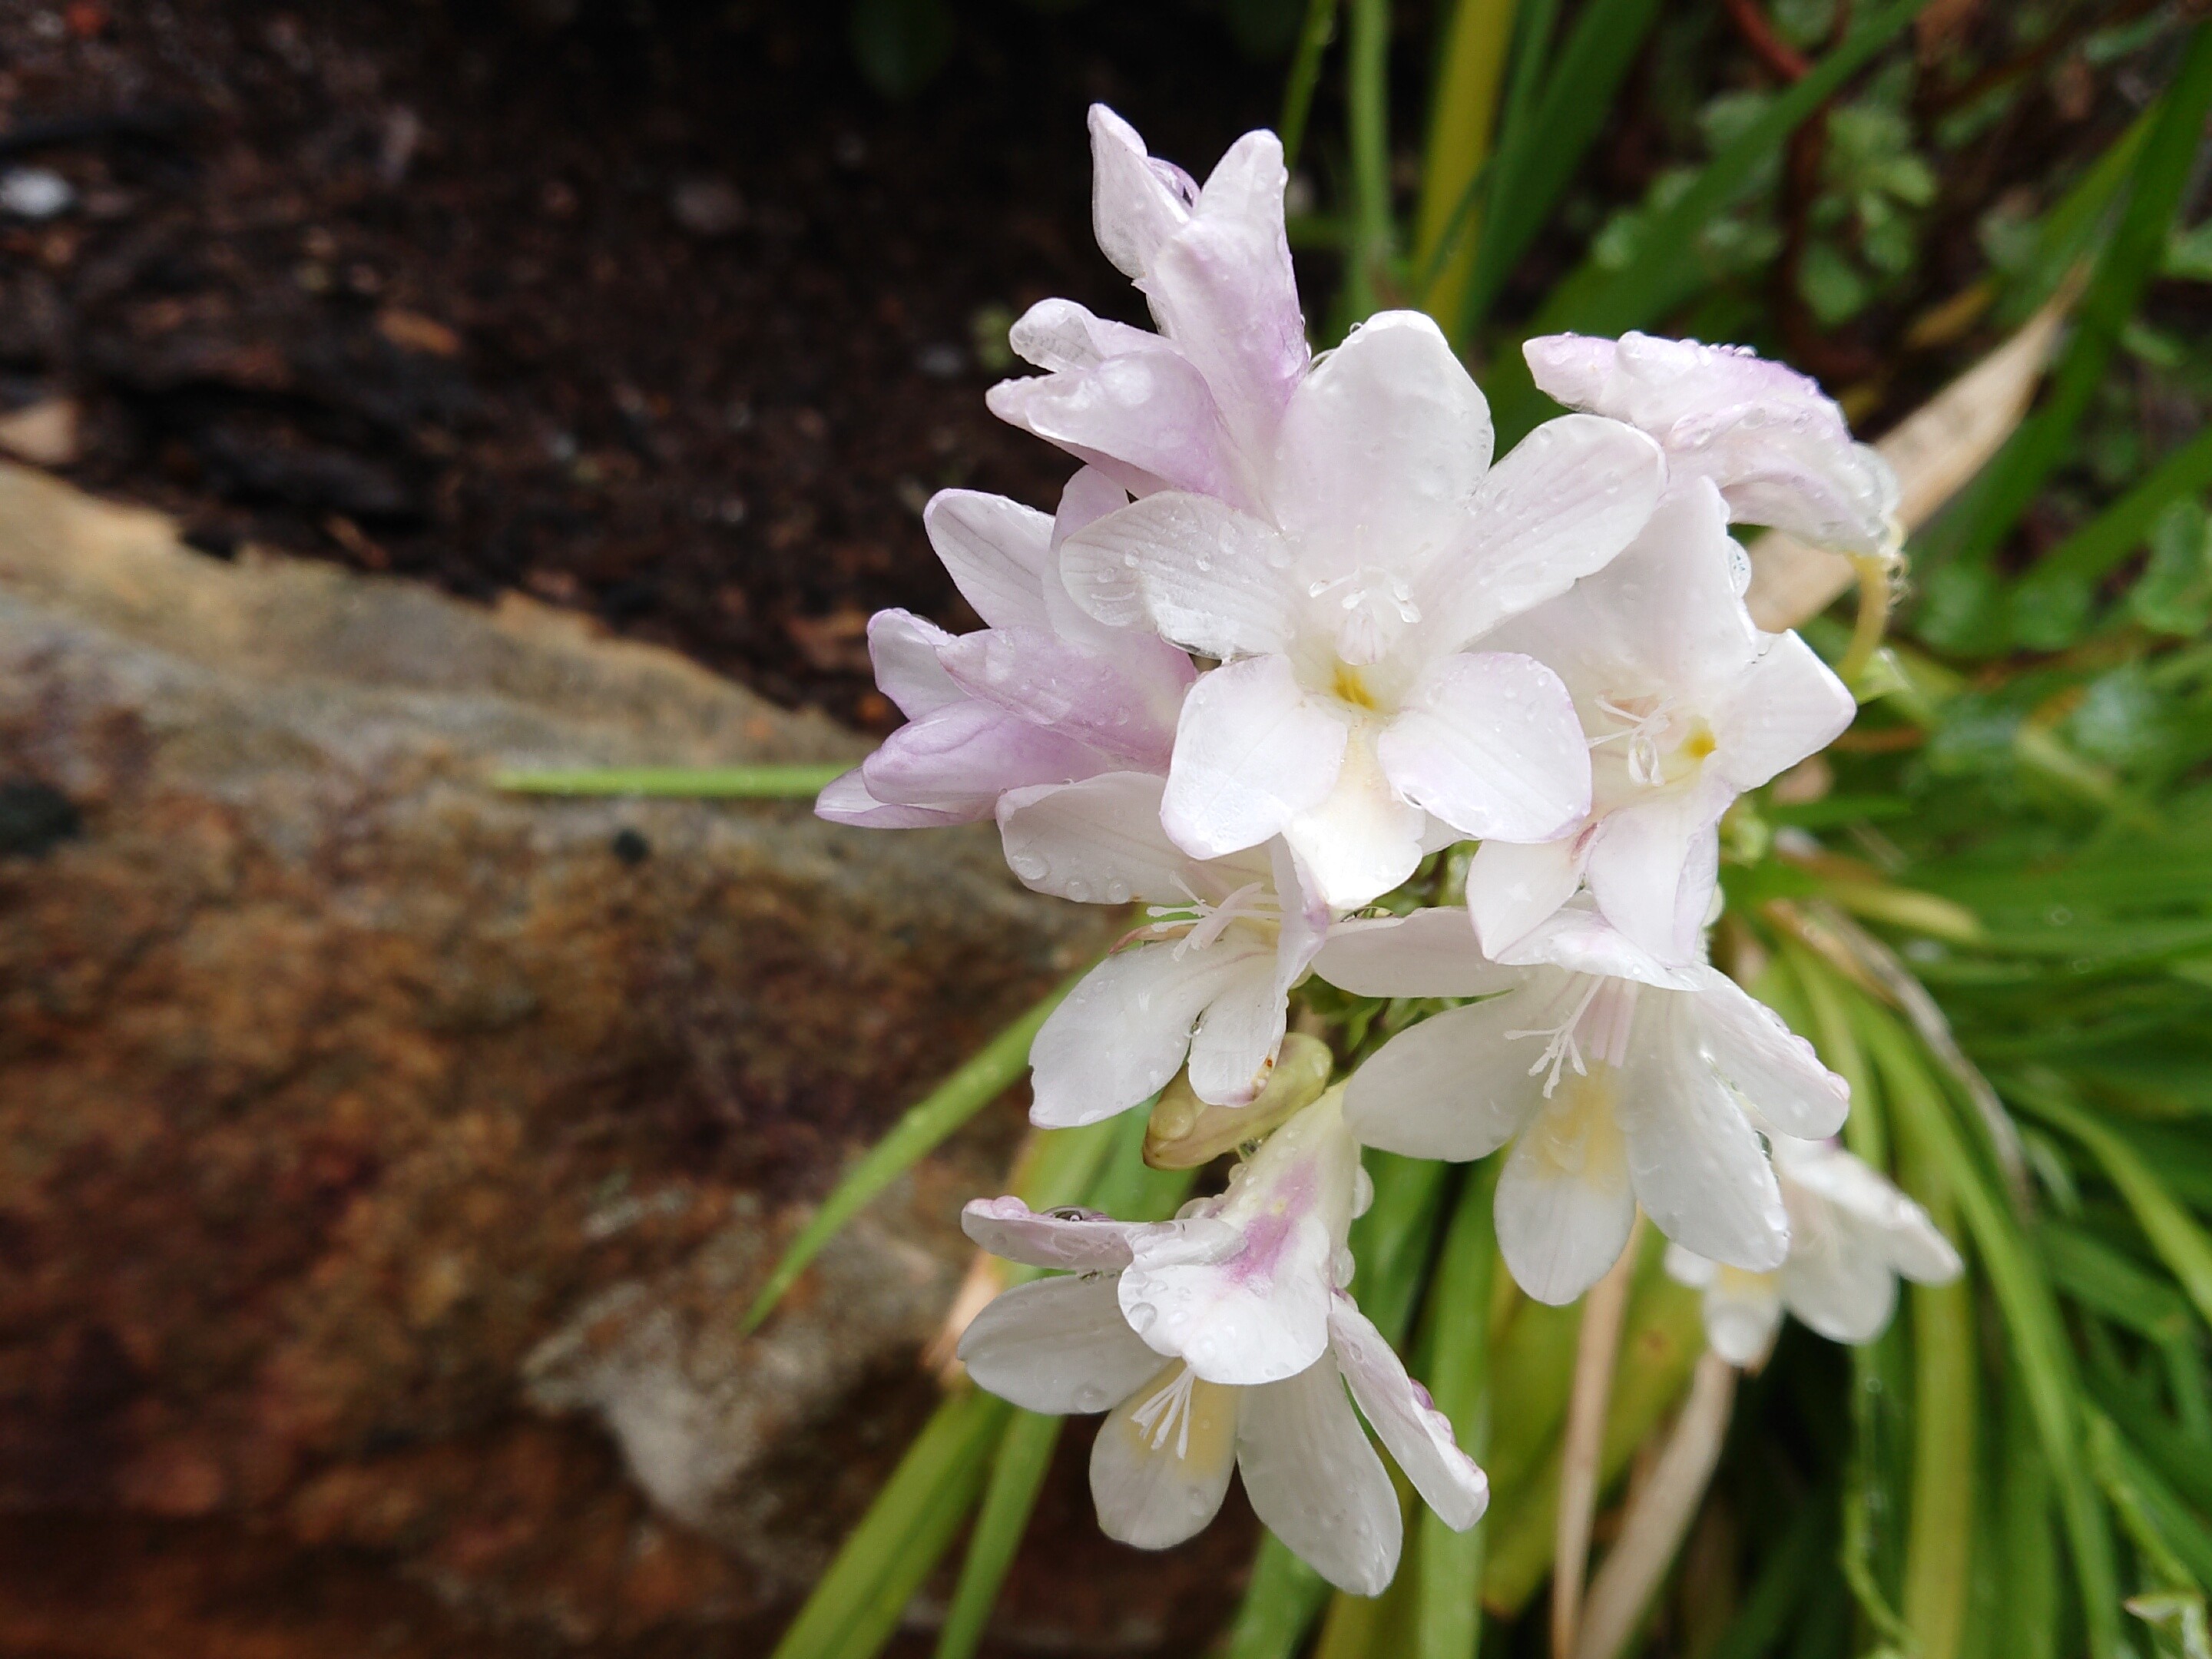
(1017, 1474)
(1939, 1540)
(1447, 1617)
(794, 782)
(1305, 75)
(1368, 111)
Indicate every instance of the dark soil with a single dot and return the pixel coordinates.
(657, 312)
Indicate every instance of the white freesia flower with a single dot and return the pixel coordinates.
(1618, 1078)
(1222, 1339)
(1686, 703)
(1207, 979)
(1044, 694)
(1775, 444)
(1347, 714)
(1852, 1234)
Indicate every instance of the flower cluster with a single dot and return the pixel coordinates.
(1292, 627)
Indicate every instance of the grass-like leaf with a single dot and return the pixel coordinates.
(795, 782)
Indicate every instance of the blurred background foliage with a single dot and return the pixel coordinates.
(1990, 905)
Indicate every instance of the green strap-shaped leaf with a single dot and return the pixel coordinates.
(944, 1110)
(1448, 1616)
(1017, 1474)
(797, 782)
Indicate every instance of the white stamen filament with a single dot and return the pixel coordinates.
(1643, 732)
(1208, 922)
(1168, 1412)
(1602, 1014)
(1395, 588)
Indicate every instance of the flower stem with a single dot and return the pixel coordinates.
(794, 782)
(1595, 1349)
(1367, 94)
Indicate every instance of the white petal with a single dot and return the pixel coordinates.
(1418, 1434)
(1058, 1346)
(1067, 689)
(1251, 754)
(1688, 1268)
(1652, 868)
(1567, 498)
(1123, 1031)
(1771, 1066)
(1159, 1482)
(1577, 938)
(1316, 1483)
(1256, 1314)
(960, 757)
(1454, 1087)
(1305, 914)
(1099, 842)
(1078, 1243)
(1059, 334)
(1145, 418)
(1363, 840)
(1742, 1311)
(903, 648)
(1564, 1203)
(1136, 204)
(1844, 1295)
(1511, 886)
(1194, 568)
(1382, 448)
(1862, 1205)
(1698, 1169)
(1490, 742)
(998, 552)
(1788, 706)
(1237, 1037)
(845, 799)
(1429, 953)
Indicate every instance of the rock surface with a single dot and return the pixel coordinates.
(384, 1160)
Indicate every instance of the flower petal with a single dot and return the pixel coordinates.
(1145, 418)
(1564, 501)
(1883, 1222)
(1237, 1037)
(1078, 1243)
(1742, 1311)
(1099, 842)
(1123, 1031)
(1316, 1482)
(1789, 705)
(1652, 868)
(1381, 448)
(1058, 335)
(961, 757)
(1564, 1202)
(1363, 840)
(1453, 1086)
(1844, 1295)
(1577, 938)
(1489, 742)
(1770, 1065)
(1160, 1481)
(1511, 886)
(1698, 1169)
(847, 800)
(998, 552)
(1067, 689)
(1194, 568)
(1402, 1413)
(1429, 953)
(1251, 755)
(903, 648)
(1136, 203)
(1058, 1346)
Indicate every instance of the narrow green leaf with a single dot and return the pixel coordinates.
(2027, 1626)
(1017, 1474)
(798, 783)
(944, 1109)
(2173, 1536)
(1367, 96)
(2095, 1275)
(1784, 1574)
(1940, 1538)
(1393, 1241)
(1305, 75)
(1448, 1608)
(884, 1559)
(1470, 71)
(1280, 1607)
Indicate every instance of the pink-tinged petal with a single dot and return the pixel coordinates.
(1363, 840)
(1406, 1420)
(1380, 449)
(1698, 1168)
(1251, 755)
(1577, 938)
(1788, 706)
(1429, 953)
(1087, 497)
(1512, 886)
(1316, 1483)
(1564, 1204)
(1136, 203)
(1305, 914)
(1489, 743)
(1071, 1241)
(1146, 419)
(1059, 334)
(1068, 689)
(1234, 1047)
(903, 648)
(1123, 1031)
(847, 800)
(1568, 497)
(1574, 369)
(1223, 289)
(1206, 576)
(1099, 842)
(998, 552)
(1651, 868)
(1160, 1465)
(1059, 1346)
(1771, 1066)
(1456, 1086)
(961, 757)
